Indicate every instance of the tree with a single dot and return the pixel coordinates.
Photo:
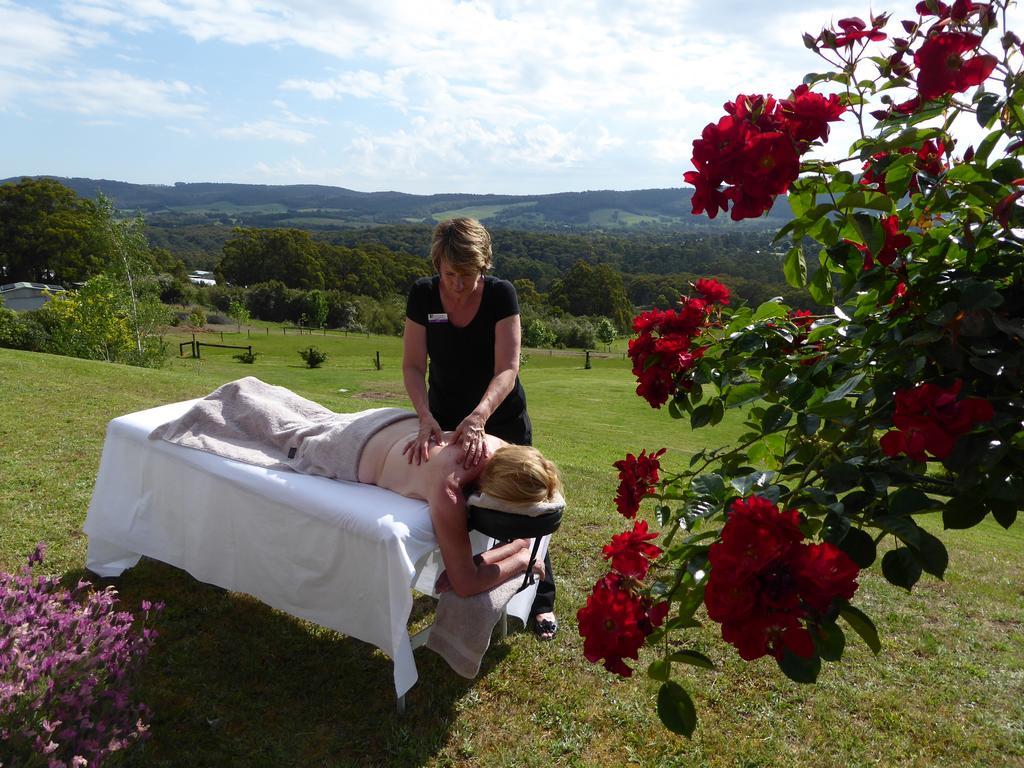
(901, 403)
(589, 290)
(48, 233)
(240, 313)
(317, 308)
(605, 331)
(260, 255)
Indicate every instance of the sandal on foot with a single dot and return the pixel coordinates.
(545, 629)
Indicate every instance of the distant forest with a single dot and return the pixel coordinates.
(653, 264)
(547, 243)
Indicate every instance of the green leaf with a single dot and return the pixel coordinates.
(799, 669)
(775, 418)
(837, 409)
(820, 287)
(933, 555)
(795, 267)
(701, 416)
(717, 410)
(742, 394)
(961, 513)
(901, 567)
(988, 107)
(860, 547)
(967, 173)
(659, 669)
(692, 657)
(844, 389)
(869, 199)
(1005, 514)
(986, 146)
(829, 640)
(808, 422)
(676, 710)
(978, 295)
(711, 485)
(907, 501)
(902, 527)
(769, 309)
(862, 625)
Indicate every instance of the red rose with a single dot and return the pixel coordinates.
(941, 9)
(712, 291)
(637, 477)
(895, 240)
(854, 30)
(802, 318)
(662, 353)
(767, 586)
(807, 114)
(754, 149)
(943, 68)
(761, 635)
(614, 623)
(929, 418)
(824, 572)
(631, 553)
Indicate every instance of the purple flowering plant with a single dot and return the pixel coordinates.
(68, 660)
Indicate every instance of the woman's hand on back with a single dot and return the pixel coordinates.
(418, 447)
(470, 437)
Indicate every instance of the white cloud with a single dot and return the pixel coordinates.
(32, 40)
(110, 92)
(266, 130)
(440, 92)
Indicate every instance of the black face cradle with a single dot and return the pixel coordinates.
(505, 526)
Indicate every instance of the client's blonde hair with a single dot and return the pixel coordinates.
(520, 473)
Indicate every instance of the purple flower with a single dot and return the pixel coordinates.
(67, 661)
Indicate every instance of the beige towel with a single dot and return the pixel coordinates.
(463, 625)
(257, 423)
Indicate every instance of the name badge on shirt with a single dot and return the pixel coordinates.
(437, 317)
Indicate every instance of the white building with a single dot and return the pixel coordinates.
(201, 277)
(22, 297)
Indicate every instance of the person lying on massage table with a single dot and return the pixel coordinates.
(252, 421)
(513, 473)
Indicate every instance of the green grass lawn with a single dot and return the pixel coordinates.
(234, 683)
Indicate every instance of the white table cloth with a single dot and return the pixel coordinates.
(343, 555)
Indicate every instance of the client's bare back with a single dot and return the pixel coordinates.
(384, 464)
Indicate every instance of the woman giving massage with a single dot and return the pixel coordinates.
(511, 473)
(269, 426)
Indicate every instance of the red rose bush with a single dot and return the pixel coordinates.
(893, 395)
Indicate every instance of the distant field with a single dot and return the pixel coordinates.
(222, 207)
(480, 212)
(616, 216)
(233, 683)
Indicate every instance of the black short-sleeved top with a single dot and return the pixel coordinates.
(462, 359)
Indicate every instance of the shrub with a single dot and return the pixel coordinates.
(216, 318)
(197, 317)
(67, 663)
(247, 357)
(21, 331)
(313, 356)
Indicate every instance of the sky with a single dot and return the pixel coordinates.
(417, 96)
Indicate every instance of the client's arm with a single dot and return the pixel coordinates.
(467, 575)
(492, 557)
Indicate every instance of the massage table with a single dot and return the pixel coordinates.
(344, 555)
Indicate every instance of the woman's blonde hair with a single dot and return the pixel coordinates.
(463, 243)
(520, 473)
